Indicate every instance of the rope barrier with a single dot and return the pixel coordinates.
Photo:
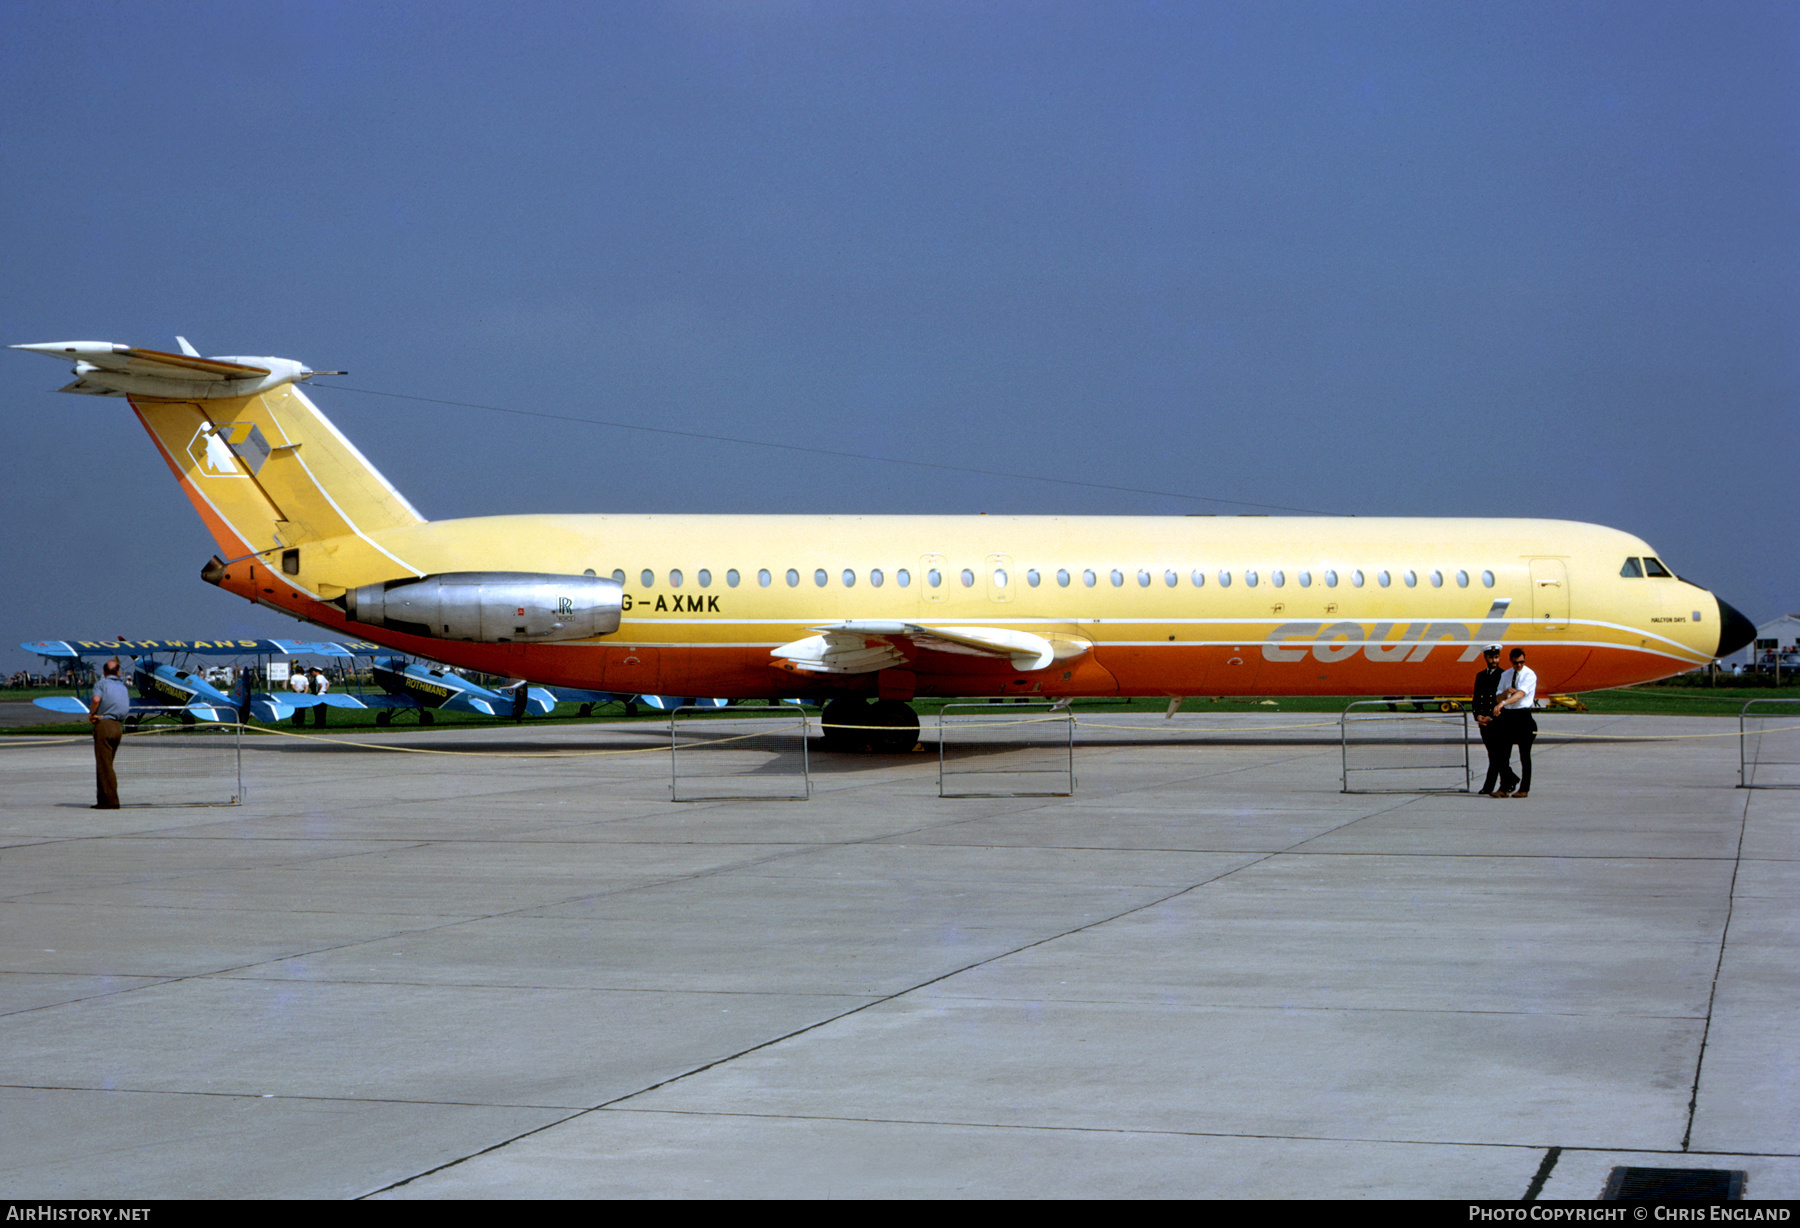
(63, 739)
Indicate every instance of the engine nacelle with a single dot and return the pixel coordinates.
(491, 607)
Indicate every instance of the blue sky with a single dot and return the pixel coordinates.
(1380, 259)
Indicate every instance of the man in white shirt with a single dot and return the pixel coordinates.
(1518, 691)
(318, 684)
(297, 684)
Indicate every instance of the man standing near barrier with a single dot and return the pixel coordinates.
(1486, 699)
(107, 712)
(1518, 691)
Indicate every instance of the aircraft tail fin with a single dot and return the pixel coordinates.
(269, 473)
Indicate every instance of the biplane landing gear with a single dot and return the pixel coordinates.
(384, 717)
(856, 726)
(585, 710)
(426, 716)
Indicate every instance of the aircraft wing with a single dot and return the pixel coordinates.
(864, 645)
(206, 710)
(575, 695)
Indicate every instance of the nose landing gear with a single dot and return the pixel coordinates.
(885, 727)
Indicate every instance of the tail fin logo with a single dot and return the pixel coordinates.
(215, 451)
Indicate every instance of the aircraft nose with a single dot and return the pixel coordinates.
(1734, 630)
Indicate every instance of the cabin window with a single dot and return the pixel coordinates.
(1143, 578)
(1031, 577)
(619, 574)
(1437, 578)
(934, 577)
(849, 578)
(1412, 578)
(820, 577)
(1632, 570)
(1331, 579)
(1356, 579)
(793, 578)
(1062, 577)
(1087, 577)
(1654, 567)
(1224, 579)
(1118, 578)
(705, 578)
(968, 578)
(1487, 579)
(904, 577)
(763, 577)
(999, 578)
(1199, 578)
(875, 576)
(1306, 579)
(731, 577)
(1170, 579)
(1462, 579)
(1382, 578)
(648, 578)
(590, 572)
(1250, 578)
(1278, 577)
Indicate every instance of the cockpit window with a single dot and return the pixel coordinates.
(1632, 570)
(1654, 567)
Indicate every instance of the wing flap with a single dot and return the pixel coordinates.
(863, 646)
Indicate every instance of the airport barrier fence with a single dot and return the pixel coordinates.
(743, 752)
(1006, 750)
(1403, 752)
(167, 758)
(1769, 755)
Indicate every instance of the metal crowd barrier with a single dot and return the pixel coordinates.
(1006, 750)
(168, 758)
(1753, 756)
(1400, 746)
(742, 752)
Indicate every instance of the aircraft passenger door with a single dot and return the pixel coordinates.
(1000, 578)
(933, 565)
(1549, 595)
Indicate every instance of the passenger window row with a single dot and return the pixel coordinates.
(1090, 578)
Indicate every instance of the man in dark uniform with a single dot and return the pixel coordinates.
(1486, 699)
(107, 713)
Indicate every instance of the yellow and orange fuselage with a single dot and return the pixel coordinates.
(1168, 606)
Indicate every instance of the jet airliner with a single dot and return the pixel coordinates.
(869, 612)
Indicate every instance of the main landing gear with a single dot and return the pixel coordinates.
(884, 727)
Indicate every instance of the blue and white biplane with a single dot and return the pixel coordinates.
(165, 688)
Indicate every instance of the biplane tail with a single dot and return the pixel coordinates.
(267, 471)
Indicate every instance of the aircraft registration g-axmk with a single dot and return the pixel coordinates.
(851, 609)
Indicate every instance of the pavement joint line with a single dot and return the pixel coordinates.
(929, 1122)
(156, 1091)
(1542, 1175)
(1712, 991)
(1256, 860)
(772, 1041)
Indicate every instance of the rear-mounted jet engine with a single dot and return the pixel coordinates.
(491, 606)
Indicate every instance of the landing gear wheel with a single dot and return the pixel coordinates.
(899, 731)
(840, 720)
(426, 716)
(383, 716)
(586, 710)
